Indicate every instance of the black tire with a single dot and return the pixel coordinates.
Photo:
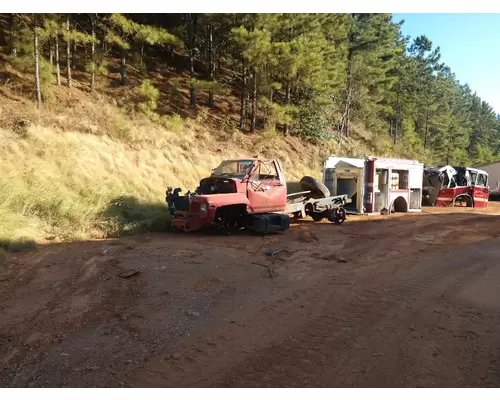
(337, 215)
(317, 217)
(316, 187)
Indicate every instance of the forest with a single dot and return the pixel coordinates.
(318, 77)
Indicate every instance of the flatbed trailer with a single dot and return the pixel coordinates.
(331, 207)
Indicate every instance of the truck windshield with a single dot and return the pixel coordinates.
(233, 169)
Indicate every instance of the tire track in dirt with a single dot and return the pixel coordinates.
(331, 336)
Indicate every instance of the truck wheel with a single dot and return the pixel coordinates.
(337, 215)
(317, 217)
(315, 186)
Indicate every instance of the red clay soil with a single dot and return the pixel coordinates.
(406, 300)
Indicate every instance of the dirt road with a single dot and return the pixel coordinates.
(410, 300)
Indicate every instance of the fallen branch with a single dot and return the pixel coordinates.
(269, 268)
(277, 258)
(128, 274)
(261, 246)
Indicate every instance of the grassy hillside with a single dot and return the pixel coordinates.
(90, 166)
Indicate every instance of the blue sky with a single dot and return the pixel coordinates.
(470, 46)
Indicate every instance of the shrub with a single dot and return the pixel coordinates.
(150, 95)
(173, 123)
(314, 124)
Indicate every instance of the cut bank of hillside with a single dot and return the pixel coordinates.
(89, 166)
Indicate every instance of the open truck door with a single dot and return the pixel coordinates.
(266, 190)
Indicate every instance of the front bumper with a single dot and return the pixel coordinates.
(183, 221)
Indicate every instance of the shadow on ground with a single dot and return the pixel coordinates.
(129, 215)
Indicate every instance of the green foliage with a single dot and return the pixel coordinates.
(173, 123)
(205, 86)
(100, 66)
(152, 35)
(125, 31)
(314, 124)
(311, 73)
(150, 95)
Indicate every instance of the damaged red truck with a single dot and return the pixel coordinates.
(455, 186)
(252, 194)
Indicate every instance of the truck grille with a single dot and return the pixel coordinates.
(194, 208)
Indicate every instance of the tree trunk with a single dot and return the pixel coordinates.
(254, 101)
(391, 129)
(218, 58)
(426, 129)
(68, 54)
(398, 114)
(192, 93)
(267, 83)
(211, 62)
(141, 56)
(38, 89)
(58, 69)
(247, 97)
(123, 69)
(51, 52)
(344, 130)
(243, 109)
(287, 98)
(73, 56)
(92, 56)
(13, 35)
(346, 116)
(104, 45)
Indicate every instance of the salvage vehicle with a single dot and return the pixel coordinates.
(455, 186)
(251, 193)
(376, 185)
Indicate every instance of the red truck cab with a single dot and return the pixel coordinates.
(234, 190)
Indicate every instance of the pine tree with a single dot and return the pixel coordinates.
(92, 52)
(68, 52)
(371, 53)
(52, 25)
(120, 34)
(191, 23)
(36, 56)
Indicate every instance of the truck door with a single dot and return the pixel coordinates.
(266, 191)
(480, 191)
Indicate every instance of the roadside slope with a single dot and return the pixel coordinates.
(63, 168)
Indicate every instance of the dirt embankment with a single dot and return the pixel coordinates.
(407, 300)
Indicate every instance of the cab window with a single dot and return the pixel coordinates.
(482, 180)
(266, 172)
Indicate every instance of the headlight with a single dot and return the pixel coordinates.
(203, 208)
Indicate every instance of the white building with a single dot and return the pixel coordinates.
(493, 171)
